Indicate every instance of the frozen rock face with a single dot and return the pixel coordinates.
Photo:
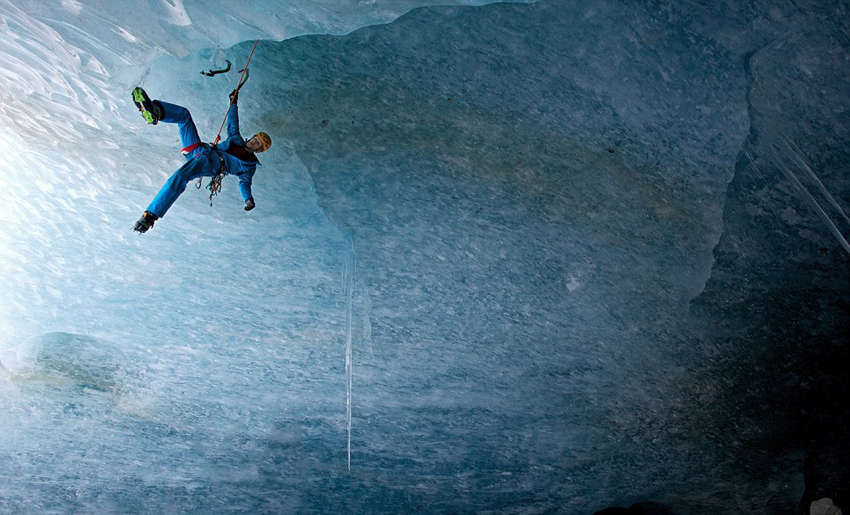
(515, 257)
(774, 315)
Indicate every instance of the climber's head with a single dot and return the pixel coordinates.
(259, 142)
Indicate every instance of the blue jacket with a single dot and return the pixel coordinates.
(232, 164)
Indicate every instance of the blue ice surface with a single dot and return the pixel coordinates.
(466, 287)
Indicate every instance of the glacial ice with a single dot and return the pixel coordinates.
(506, 257)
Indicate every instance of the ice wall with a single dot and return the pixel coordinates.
(548, 238)
(70, 133)
(532, 215)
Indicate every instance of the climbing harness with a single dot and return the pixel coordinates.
(213, 73)
(215, 184)
(185, 150)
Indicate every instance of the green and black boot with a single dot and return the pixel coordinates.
(151, 110)
(145, 222)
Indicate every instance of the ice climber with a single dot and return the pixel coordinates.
(233, 156)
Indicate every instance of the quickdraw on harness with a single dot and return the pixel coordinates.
(215, 185)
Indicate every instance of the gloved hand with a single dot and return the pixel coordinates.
(249, 204)
(234, 96)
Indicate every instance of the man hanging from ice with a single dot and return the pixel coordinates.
(233, 156)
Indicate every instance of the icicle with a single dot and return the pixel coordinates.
(349, 280)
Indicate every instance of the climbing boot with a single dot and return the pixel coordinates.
(151, 110)
(145, 222)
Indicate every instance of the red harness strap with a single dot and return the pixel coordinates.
(190, 148)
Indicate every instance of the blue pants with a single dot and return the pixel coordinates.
(200, 162)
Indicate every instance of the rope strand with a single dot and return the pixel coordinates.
(244, 71)
(215, 185)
